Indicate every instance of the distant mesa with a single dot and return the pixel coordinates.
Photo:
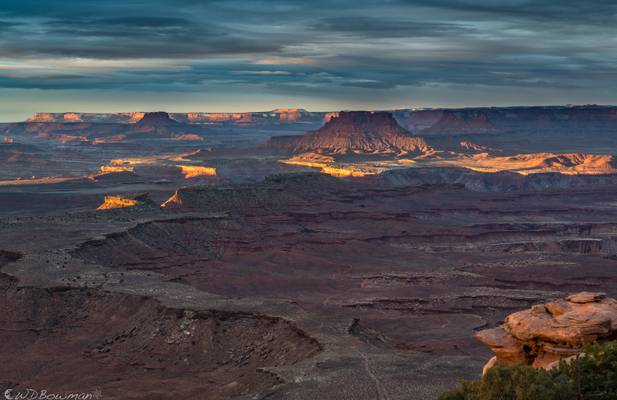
(347, 136)
(360, 131)
(72, 117)
(156, 118)
(500, 120)
(158, 123)
(547, 333)
(289, 114)
(43, 117)
(462, 122)
(68, 117)
(356, 132)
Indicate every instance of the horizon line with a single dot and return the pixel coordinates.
(279, 109)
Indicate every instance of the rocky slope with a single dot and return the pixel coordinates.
(127, 346)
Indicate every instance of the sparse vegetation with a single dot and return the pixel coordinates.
(593, 376)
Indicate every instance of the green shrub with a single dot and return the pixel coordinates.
(598, 371)
(594, 377)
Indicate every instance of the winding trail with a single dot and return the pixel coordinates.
(382, 394)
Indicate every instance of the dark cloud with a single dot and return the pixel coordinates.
(367, 27)
(574, 11)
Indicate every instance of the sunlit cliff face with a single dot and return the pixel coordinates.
(72, 117)
(42, 117)
(219, 117)
(136, 116)
(192, 171)
(113, 202)
(333, 169)
(110, 169)
(123, 117)
(524, 164)
(133, 161)
(288, 114)
(346, 172)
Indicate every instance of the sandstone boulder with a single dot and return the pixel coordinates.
(547, 333)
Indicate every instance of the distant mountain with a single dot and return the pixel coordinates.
(356, 132)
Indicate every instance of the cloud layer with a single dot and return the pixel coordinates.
(332, 50)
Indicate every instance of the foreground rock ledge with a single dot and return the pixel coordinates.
(547, 333)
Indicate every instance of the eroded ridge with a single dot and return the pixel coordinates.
(128, 346)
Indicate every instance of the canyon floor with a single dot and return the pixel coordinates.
(242, 277)
(302, 287)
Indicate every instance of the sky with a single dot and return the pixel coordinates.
(257, 55)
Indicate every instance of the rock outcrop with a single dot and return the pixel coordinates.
(549, 332)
